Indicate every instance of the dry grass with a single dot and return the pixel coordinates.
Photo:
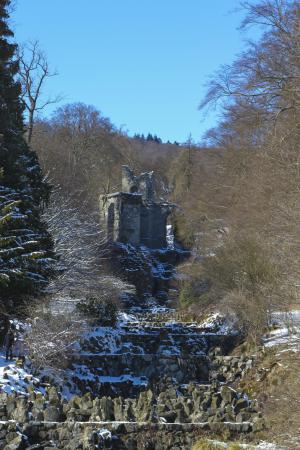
(274, 382)
(206, 444)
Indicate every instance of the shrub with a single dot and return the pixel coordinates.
(241, 263)
(50, 338)
(100, 311)
(241, 278)
(209, 445)
(246, 281)
(183, 230)
(204, 445)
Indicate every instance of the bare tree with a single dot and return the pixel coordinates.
(263, 82)
(80, 246)
(51, 336)
(34, 71)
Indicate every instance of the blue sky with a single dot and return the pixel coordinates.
(143, 63)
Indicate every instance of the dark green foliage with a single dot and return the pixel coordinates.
(149, 138)
(24, 264)
(100, 311)
(25, 245)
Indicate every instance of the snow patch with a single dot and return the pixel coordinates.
(287, 333)
(17, 379)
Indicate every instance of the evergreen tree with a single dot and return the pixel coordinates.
(25, 245)
(149, 137)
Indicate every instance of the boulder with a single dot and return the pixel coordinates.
(227, 394)
(106, 409)
(240, 404)
(215, 401)
(54, 397)
(17, 443)
(11, 404)
(143, 409)
(52, 414)
(20, 414)
(169, 416)
(118, 409)
(128, 410)
(86, 401)
(258, 424)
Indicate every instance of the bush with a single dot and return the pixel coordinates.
(50, 339)
(192, 290)
(204, 445)
(100, 311)
(210, 445)
(242, 278)
(242, 262)
(183, 230)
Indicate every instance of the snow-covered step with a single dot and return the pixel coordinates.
(153, 366)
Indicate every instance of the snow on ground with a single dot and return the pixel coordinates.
(14, 378)
(82, 372)
(287, 331)
(217, 323)
(261, 446)
(170, 236)
(136, 381)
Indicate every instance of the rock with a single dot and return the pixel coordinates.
(215, 401)
(243, 416)
(106, 409)
(86, 402)
(31, 430)
(228, 394)
(241, 404)
(118, 409)
(11, 404)
(244, 427)
(206, 402)
(75, 402)
(161, 408)
(38, 407)
(143, 410)
(128, 410)
(20, 414)
(52, 414)
(258, 424)
(169, 416)
(54, 397)
(16, 444)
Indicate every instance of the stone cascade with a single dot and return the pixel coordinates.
(142, 352)
(152, 383)
(113, 436)
(177, 416)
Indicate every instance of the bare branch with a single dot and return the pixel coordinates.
(33, 72)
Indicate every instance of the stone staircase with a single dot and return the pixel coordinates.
(153, 382)
(145, 349)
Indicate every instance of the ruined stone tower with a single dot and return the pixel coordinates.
(134, 215)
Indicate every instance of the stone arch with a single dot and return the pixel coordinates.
(133, 189)
(111, 221)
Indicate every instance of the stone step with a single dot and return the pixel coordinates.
(148, 344)
(154, 342)
(152, 366)
(153, 329)
(116, 435)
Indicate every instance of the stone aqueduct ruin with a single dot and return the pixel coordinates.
(134, 215)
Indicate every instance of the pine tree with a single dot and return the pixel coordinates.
(25, 245)
(149, 137)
